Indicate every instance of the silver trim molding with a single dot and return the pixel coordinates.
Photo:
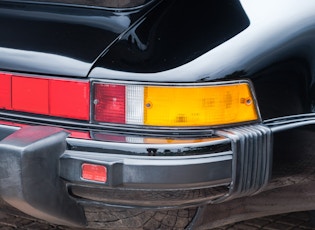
(252, 159)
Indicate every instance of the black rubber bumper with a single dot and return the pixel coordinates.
(38, 170)
(29, 175)
(41, 171)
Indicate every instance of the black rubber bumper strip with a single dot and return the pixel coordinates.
(29, 178)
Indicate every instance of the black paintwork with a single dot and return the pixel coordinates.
(62, 40)
(57, 39)
(175, 33)
(65, 40)
(102, 3)
(284, 97)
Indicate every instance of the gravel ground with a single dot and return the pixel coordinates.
(291, 221)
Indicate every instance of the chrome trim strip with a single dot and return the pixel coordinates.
(172, 84)
(83, 126)
(252, 159)
(112, 145)
(290, 122)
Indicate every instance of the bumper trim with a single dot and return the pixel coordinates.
(156, 172)
(290, 122)
(252, 159)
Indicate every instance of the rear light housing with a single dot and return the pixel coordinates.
(176, 105)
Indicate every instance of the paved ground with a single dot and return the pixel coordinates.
(292, 221)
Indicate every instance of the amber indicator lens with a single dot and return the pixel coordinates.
(198, 106)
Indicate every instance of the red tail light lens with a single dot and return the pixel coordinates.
(109, 103)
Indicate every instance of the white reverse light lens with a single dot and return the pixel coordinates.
(134, 104)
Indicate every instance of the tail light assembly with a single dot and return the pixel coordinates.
(174, 105)
(130, 103)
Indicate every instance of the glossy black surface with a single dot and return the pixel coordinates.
(67, 40)
(190, 148)
(102, 3)
(56, 39)
(283, 89)
(175, 33)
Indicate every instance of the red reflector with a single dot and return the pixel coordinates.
(109, 103)
(94, 172)
(80, 134)
(69, 99)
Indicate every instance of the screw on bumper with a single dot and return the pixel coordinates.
(244, 169)
(37, 170)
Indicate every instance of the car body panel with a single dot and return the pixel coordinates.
(261, 44)
(265, 44)
(57, 39)
(175, 33)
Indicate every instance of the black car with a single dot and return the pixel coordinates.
(156, 114)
